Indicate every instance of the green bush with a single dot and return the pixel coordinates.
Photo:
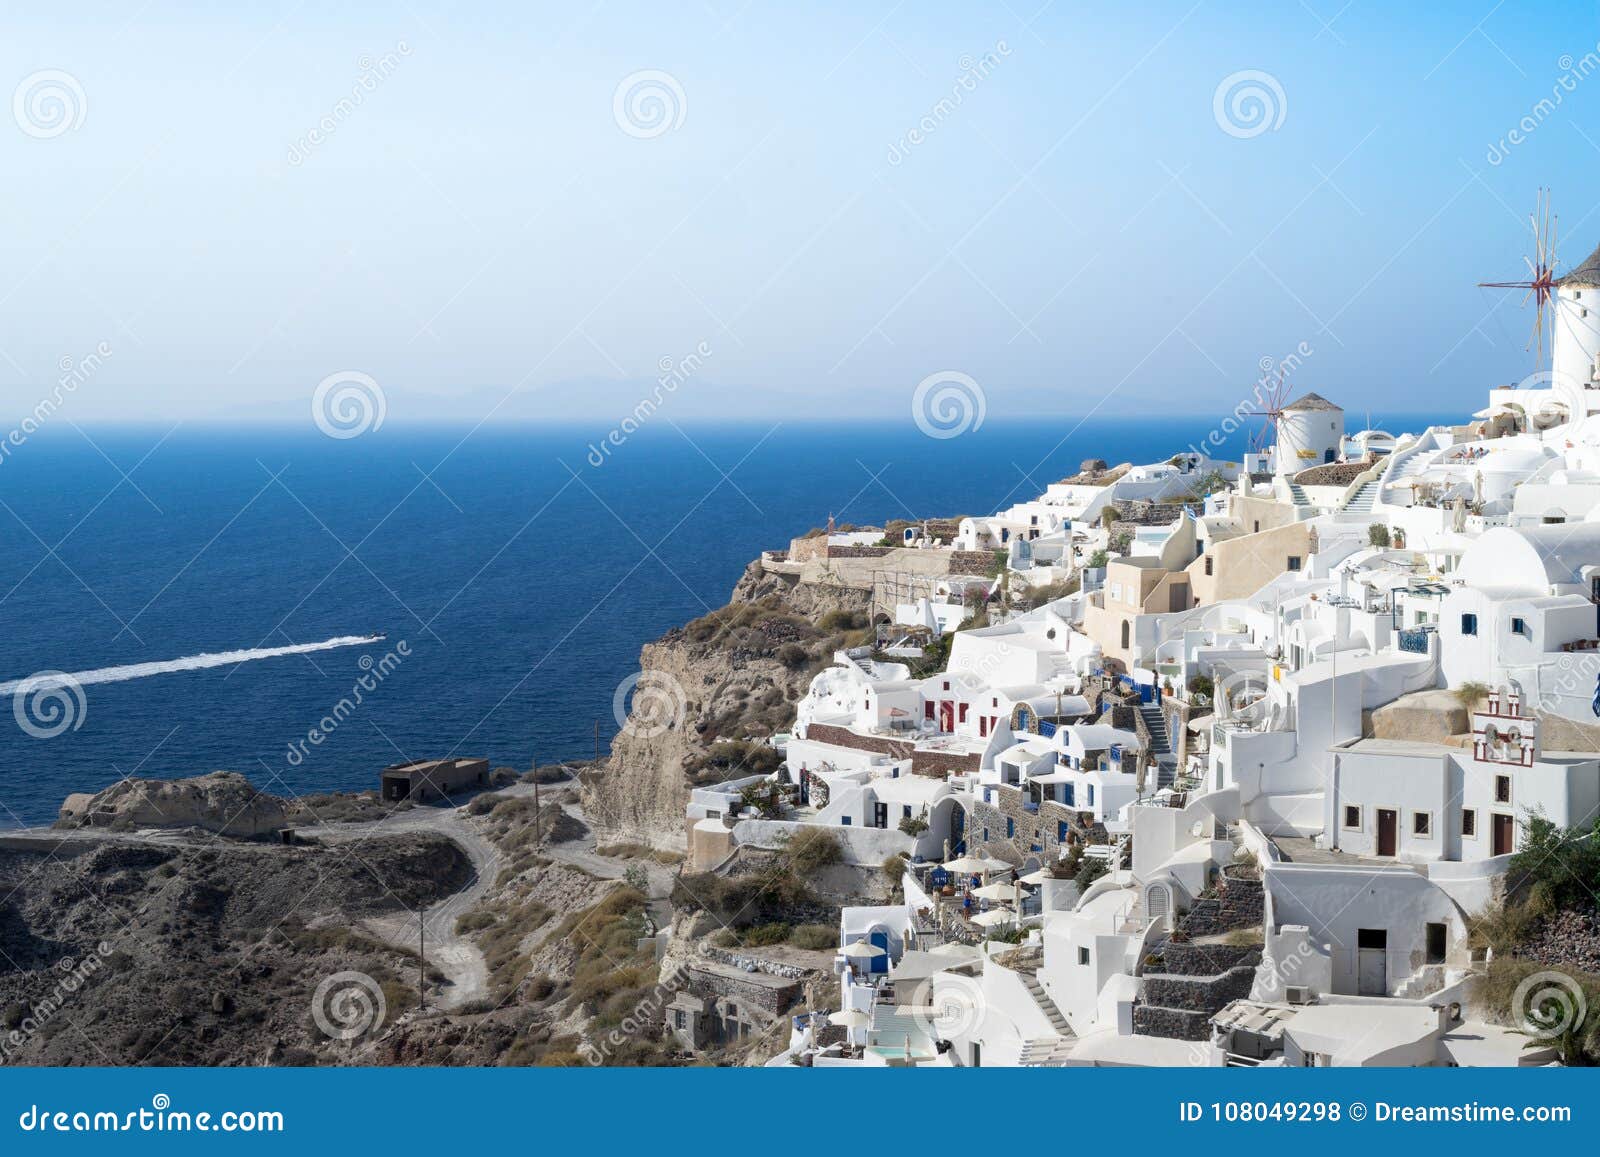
(811, 849)
(1561, 863)
(764, 935)
(817, 937)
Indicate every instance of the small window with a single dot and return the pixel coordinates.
(1011, 827)
(844, 821)
(1294, 562)
(905, 811)
(1519, 626)
(1083, 955)
(1091, 794)
(1061, 831)
(1469, 822)
(1421, 823)
(1502, 789)
(1352, 817)
(1469, 624)
(1257, 526)
(1208, 564)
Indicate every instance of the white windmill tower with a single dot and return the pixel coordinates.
(1576, 344)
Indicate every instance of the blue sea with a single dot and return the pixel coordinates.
(521, 577)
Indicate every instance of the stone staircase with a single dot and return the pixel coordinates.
(1297, 495)
(1160, 744)
(1046, 1005)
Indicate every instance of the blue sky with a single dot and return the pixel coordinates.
(483, 236)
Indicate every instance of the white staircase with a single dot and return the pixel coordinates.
(1361, 501)
(1046, 1005)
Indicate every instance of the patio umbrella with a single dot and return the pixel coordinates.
(863, 950)
(850, 1018)
(968, 864)
(1035, 879)
(994, 917)
(993, 892)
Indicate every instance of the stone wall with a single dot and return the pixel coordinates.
(1029, 828)
(936, 764)
(1238, 903)
(711, 985)
(939, 764)
(972, 562)
(844, 737)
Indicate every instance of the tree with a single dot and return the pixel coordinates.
(1378, 536)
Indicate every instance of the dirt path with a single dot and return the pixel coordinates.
(455, 956)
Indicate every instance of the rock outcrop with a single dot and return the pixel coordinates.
(224, 802)
(733, 674)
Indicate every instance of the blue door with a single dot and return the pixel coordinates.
(880, 963)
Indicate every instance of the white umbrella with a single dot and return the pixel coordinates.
(994, 917)
(974, 864)
(1034, 879)
(993, 892)
(850, 1018)
(864, 950)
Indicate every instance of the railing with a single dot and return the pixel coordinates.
(1415, 640)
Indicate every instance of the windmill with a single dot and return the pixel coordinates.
(1272, 394)
(1541, 284)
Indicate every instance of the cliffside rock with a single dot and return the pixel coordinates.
(224, 802)
(734, 673)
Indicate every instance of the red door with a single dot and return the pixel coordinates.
(1504, 834)
(947, 716)
(1388, 828)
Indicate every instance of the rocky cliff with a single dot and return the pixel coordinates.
(732, 675)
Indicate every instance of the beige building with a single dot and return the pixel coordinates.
(1236, 568)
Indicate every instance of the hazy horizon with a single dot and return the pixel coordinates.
(1083, 210)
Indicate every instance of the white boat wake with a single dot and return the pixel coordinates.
(190, 663)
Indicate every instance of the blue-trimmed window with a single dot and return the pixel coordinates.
(1061, 831)
(1469, 624)
(1011, 827)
